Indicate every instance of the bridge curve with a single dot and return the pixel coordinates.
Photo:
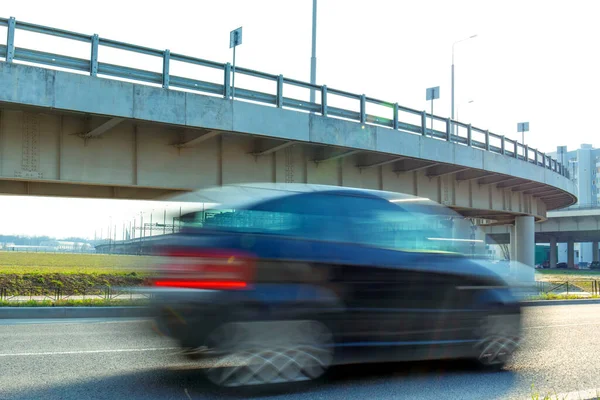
(77, 133)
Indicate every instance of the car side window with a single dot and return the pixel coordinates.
(318, 216)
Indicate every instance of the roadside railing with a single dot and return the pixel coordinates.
(397, 117)
(43, 293)
(576, 286)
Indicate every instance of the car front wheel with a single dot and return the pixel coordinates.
(499, 339)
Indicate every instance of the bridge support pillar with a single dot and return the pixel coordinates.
(571, 253)
(513, 243)
(525, 239)
(553, 252)
(595, 251)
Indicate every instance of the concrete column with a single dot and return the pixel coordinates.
(513, 244)
(595, 251)
(553, 252)
(525, 240)
(570, 253)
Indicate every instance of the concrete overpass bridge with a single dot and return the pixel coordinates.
(96, 129)
(576, 224)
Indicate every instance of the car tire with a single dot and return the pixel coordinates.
(499, 338)
(269, 352)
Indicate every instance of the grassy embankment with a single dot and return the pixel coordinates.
(22, 273)
(557, 275)
(78, 274)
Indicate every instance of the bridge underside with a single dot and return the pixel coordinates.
(45, 152)
(562, 229)
(547, 237)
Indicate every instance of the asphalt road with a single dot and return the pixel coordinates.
(124, 359)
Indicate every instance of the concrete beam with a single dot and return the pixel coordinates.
(414, 165)
(486, 214)
(274, 148)
(379, 164)
(198, 140)
(472, 175)
(522, 188)
(494, 179)
(442, 170)
(55, 188)
(539, 192)
(552, 196)
(511, 183)
(337, 156)
(108, 125)
(553, 204)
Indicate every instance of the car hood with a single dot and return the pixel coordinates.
(519, 277)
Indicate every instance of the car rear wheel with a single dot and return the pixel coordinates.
(259, 353)
(499, 339)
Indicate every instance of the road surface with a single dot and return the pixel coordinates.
(123, 359)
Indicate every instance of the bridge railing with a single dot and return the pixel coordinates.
(398, 117)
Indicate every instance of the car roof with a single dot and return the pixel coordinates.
(245, 195)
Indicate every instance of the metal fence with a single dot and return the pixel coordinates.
(42, 293)
(579, 286)
(398, 117)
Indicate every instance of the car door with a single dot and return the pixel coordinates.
(395, 280)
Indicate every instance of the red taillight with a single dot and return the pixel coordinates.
(215, 269)
(202, 284)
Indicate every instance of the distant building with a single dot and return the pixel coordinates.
(25, 247)
(584, 167)
(53, 246)
(63, 246)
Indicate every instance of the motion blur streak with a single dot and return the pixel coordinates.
(329, 276)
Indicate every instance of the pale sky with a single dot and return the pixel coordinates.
(531, 61)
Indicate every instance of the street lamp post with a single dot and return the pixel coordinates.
(313, 58)
(452, 90)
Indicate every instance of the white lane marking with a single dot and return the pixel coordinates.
(64, 321)
(585, 394)
(562, 325)
(60, 353)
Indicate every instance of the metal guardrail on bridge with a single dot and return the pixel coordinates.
(472, 136)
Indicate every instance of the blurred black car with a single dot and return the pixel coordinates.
(286, 283)
(562, 265)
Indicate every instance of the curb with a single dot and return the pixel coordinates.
(74, 312)
(535, 303)
(141, 312)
